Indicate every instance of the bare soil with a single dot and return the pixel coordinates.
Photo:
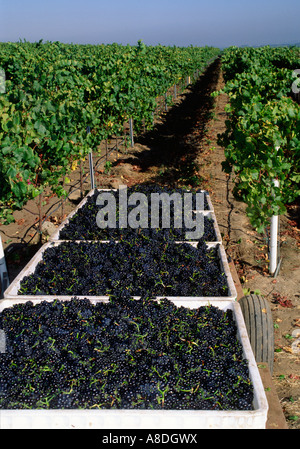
(182, 150)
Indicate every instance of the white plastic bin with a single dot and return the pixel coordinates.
(152, 419)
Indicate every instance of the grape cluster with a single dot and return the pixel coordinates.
(82, 225)
(138, 265)
(124, 354)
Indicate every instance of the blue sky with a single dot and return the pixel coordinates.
(168, 22)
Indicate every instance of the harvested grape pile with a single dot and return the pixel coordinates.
(137, 265)
(126, 354)
(82, 225)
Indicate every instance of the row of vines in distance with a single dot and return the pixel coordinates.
(54, 92)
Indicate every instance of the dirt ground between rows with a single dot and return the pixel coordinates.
(182, 150)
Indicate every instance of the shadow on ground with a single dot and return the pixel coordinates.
(172, 146)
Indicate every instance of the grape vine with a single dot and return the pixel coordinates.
(262, 136)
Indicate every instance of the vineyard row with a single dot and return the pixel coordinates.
(55, 92)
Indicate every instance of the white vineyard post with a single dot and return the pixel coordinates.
(91, 170)
(274, 237)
